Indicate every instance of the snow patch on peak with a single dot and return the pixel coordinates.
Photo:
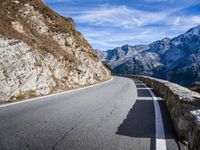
(193, 31)
(175, 59)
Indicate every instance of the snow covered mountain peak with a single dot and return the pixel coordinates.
(176, 59)
(193, 31)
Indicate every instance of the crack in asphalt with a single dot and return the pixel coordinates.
(72, 128)
(64, 135)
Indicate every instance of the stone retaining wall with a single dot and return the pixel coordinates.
(184, 107)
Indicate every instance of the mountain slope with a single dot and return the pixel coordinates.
(42, 53)
(177, 59)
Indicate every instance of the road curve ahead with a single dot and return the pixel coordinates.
(116, 115)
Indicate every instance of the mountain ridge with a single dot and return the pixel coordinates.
(175, 59)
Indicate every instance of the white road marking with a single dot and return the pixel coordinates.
(144, 88)
(160, 132)
(40, 97)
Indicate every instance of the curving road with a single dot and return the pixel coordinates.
(116, 115)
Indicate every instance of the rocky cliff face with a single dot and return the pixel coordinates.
(177, 59)
(42, 53)
(195, 87)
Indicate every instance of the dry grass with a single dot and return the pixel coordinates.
(65, 25)
(32, 94)
(36, 40)
(20, 96)
(42, 42)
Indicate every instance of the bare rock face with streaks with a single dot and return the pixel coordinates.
(41, 52)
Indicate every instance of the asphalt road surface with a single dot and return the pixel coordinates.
(116, 115)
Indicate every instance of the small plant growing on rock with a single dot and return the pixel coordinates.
(20, 96)
(32, 93)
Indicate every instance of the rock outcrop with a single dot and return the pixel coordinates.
(195, 87)
(41, 52)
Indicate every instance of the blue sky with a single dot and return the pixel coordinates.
(107, 24)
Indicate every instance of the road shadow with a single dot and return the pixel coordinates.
(139, 122)
(170, 131)
(140, 86)
(142, 90)
(143, 93)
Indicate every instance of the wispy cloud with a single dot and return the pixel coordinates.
(107, 23)
(156, 1)
(119, 16)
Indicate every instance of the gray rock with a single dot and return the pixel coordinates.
(42, 53)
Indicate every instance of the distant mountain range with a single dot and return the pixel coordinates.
(176, 59)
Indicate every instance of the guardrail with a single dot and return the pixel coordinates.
(184, 108)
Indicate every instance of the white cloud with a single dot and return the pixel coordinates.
(102, 43)
(177, 21)
(121, 25)
(185, 22)
(119, 16)
(193, 20)
(109, 26)
(110, 38)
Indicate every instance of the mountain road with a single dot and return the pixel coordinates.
(116, 115)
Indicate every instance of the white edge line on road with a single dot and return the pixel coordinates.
(160, 132)
(45, 96)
